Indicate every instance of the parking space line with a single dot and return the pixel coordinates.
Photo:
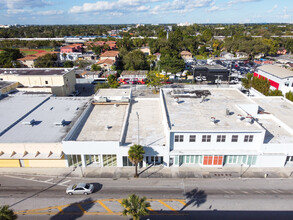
(183, 203)
(64, 182)
(60, 209)
(81, 208)
(105, 207)
(166, 205)
(49, 180)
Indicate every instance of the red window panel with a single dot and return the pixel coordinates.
(255, 74)
(205, 160)
(210, 161)
(220, 160)
(216, 160)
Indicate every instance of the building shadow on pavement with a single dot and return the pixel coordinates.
(74, 210)
(226, 215)
(195, 197)
(44, 190)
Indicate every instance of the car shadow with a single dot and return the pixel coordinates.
(97, 187)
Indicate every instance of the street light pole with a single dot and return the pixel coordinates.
(137, 115)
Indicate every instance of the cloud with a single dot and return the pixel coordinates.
(50, 12)
(273, 9)
(150, 6)
(215, 8)
(180, 6)
(21, 4)
(233, 2)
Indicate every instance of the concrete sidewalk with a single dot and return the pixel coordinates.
(156, 172)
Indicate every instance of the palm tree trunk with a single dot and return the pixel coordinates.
(136, 175)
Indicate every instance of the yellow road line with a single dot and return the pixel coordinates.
(105, 207)
(183, 203)
(81, 208)
(60, 209)
(166, 205)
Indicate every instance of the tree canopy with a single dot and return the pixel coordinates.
(8, 56)
(135, 206)
(135, 155)
(135, 60)
(47, 61)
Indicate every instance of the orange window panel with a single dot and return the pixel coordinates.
(220, 161)
(205, 160)
(210, 162)
(216, 160)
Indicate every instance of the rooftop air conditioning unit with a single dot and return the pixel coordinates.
(213, 120)
(29, 122)
(60, 123)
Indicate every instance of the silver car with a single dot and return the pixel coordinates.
(80, 188)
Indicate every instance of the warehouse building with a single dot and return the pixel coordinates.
(183, 127)
(57, 81)
(279, 77)
(32, 128)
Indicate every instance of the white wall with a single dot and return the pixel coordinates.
(270, 161)
(217, 146)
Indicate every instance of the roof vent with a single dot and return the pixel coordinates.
(239, 117)
(62, 123)
(227, 112)
(213, 120)
(249, 119)
(107, 127)
(177, 100)
(115, 105)
(32, 122)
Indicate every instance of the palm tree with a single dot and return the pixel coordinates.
(6, 213)
(135, 206)
(135, 155)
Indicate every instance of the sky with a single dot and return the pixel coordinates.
(144, 11)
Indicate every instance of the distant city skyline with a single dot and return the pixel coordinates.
(144, 11)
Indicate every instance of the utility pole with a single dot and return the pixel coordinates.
(137, 115)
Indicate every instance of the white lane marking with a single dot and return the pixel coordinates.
(39, 181)
(229, 192)
(275, 191)
(258, 192)
(49, 180)
(244, 192)
(32, 178)
(62, 184)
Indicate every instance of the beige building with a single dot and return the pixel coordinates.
(111, 54)
(29, 60)
(146, 51)
(33, 126)
(58, 81)
(6, 87)
(186, 55)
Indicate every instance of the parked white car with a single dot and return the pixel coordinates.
(80, 188)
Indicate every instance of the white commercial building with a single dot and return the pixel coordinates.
(279, 78)
(183, 127)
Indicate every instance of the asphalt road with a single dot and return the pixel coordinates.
(204, 198)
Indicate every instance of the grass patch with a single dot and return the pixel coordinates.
(201, 57)
(48, 49)
(27, 52)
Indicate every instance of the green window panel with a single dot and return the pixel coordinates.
(192, 159)
(176, 160)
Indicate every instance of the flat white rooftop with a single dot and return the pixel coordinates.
(277, 106)
(193, 114)
(47, 114)
(113, 92)
(275, 133)
(150, 127)
(104, 123)
(276, 71)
